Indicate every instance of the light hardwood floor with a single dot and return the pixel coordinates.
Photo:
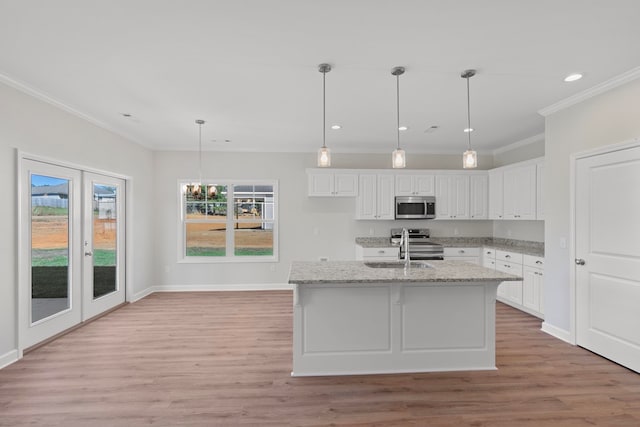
(224, 359)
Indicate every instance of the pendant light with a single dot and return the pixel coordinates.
(324, 154)
(196, 187)
(398, 157)
(469, 157)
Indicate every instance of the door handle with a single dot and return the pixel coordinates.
(89, 253)
(580, 261)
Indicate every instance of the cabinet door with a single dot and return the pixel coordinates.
(478, 197)
(404, 185)
(424, 185)
(320, 184)
(530, 288)
(366, 200)
(460, 196)
(345, 184)
(385, 205)
(496, 195)
(443, 203)
(520, 193)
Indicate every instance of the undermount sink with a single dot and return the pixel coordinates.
(397, 264)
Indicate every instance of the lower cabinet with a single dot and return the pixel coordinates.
(526, 295)
(463, 254)
(377, 254)
(533, 284)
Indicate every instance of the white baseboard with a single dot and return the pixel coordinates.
(556, 332)
(139, 295)
(212, 288)
(224, 287)
(8, 358)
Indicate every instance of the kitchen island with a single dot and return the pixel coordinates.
(354, 318)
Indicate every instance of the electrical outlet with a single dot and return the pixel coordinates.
(455, 232)
(371, 231)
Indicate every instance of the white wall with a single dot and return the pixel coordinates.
(39, 128)
(609, 118)
(310, 227)
(519, 153)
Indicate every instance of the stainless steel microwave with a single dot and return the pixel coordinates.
(415, 207)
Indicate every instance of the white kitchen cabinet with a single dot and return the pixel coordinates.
(533, 285)
(463, 254)
(377, 254)
(496, 195)
(415, 185)
(322, 183)
(375, 198)
(511, 263)
(478, 196)
(452, 197)
(539, 187)
(489, 258)
(520, 192)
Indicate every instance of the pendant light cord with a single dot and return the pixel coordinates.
(324, 110)
(468, 114)
(398, 107)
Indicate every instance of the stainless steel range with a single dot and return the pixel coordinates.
(420, 248)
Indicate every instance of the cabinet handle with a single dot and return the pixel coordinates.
(461, 251)
(538, 262)
(508, 266)
(381, 252)
(507, 256)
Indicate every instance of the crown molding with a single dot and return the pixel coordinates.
(530, 140)
(619, 80)
(35, 93)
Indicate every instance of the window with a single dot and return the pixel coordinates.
(229, 221)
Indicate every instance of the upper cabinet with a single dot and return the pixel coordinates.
(520, 192)
(375, 197)
(452, 197)
(478, 197)
(326, 183)
(496, 195)
(415, 185)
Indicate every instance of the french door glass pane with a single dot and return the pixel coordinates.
(49, 246)
(105, 231)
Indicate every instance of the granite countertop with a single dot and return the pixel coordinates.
(303, 272)
(521, 246)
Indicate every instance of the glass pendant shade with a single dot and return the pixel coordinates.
(398, 159)
(470, 159)
(324, 157)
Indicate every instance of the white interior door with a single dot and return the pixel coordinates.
(50, 254)
(103, 244)
(607, 230)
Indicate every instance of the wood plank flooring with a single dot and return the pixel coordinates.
(224, 359)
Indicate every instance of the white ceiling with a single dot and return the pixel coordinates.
(249, 67)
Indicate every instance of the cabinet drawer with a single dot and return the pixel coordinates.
(489, 253)
(381, 252)
(508, 256)
(509, 267)
(461, 252)
(533, 261)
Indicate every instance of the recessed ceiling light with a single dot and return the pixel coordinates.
(573, 77)
(403, 128)
(467, 130)
(336, 127)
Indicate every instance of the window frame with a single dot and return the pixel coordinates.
(230, 219)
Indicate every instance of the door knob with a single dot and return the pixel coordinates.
(88, 253)
(579, 261)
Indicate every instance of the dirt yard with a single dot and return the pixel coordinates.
(51, 232)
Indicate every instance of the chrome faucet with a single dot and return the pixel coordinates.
(404, 240)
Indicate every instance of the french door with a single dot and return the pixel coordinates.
(71, 248)
(607, 249)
